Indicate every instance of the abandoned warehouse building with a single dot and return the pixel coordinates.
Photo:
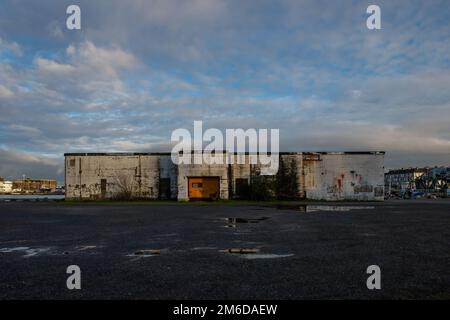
(301, 175)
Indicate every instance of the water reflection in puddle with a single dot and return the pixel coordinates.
(26, 251)
(254, 253)
(266, 256)
(145, 253)
(233, 222)
(315, 208)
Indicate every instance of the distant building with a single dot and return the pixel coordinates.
(6, 186)
(34, 185)
(399, 180)
(301, 175)
(435, 179)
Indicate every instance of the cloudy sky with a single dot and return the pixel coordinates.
(139, 69)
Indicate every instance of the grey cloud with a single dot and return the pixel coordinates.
(140, 69)
(15, 164)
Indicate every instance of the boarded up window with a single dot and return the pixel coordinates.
(242, 188)
(72, 163)
(103, 188)
(164, 188)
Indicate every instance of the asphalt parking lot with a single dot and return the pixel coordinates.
(294, 252)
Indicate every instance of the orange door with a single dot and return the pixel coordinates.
(203, 188)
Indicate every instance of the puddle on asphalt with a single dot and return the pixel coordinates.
(27, 251)
(145, 253)
(253, 253)
(241, 250)
(266, 256)
(84, 248)
(315, 208)
(337, 208)
(203, 248)
(31, 252)
(233, 222)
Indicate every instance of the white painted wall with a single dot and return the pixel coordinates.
(320, 176)
(116, 169)
(345, 177)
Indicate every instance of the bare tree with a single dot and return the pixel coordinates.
(125, 186)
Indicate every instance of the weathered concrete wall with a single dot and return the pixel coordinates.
(168, 170)
(344, 176)
(289, 176)
(138, 173)
(203, 170)
(242, 170)
(321, 176)
(238, 171)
